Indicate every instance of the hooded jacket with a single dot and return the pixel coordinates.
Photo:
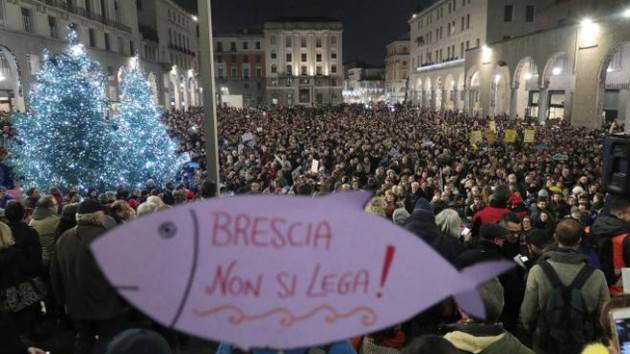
(605, 230)
(45, 222)
(422, 221)
(485, 339)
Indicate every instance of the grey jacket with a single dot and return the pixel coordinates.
(567, 263)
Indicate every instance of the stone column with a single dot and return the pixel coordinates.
(543, 104)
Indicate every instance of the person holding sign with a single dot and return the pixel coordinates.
(510, 136)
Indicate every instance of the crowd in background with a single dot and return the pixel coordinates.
(538, 204)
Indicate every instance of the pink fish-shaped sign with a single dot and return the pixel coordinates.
(280, 272)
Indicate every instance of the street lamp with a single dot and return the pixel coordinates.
(528, 76)
(2, 77)
(556, 71)
(626, 13)
(586, 22)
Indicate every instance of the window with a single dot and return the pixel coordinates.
(219, 46)
(258, 58)
(107, 43)
(245, 45)
(507, 13)
(220, 73)
(234, 73)
(52, 26)
(289, 57)
(461, 50)
(257, 44)
(245, 73)
(219, 59)
(333, 55)
(233, 58)
(245, 58)
(233, 46)
(333, 40)
(138, 5)
(303, 57)
(303, 43)
(258, 71)
(170, 36)
(121, 46)
(92, 39)
(333, 69)
(274, 68)
(132, 48)
(318, 57)
(303, 70)
(273, 55)
(467, 45)
(478, 43)
(529, 13)
(27, 23)
(319, 70)
(468, 21)
(2, 11)
(318, 43)
(463, 23)
(287, 42)
(272, 40)
(289, 70)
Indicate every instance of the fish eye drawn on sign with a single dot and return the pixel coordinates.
(280, 272)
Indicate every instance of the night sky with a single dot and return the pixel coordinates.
(368, 24)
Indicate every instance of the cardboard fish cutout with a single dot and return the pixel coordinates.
(281, 272)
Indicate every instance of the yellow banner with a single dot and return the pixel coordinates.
(510, 136)
(491, 136)
(476, 137)
(493, 126)
(529, 137)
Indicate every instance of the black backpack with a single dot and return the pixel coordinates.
(567, 325)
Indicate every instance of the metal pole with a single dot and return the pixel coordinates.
(206, 65)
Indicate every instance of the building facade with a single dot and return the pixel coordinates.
(542, 59)
(303, 61)
(107, 28)
(170, 37)
(240, 66)
(364, 85)
(584, 77)
(397, 70)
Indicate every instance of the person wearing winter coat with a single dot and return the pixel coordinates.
(45, 221)
(567, 262)
(422, 221)
(26, 238)
(472, 335)
(89, 299)
(610, 231)
(493, 212)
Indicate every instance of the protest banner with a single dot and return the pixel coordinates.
(491, 136)
(493, 126)
(247, 137)
(529, 136)
(315, 166)
(510, 136)
(476, 137)
(560, 157)
(281, 272)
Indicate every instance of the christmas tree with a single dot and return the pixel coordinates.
(147, 150)
(65, 139)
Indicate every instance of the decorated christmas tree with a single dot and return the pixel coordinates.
(147, 150)
(65, 139)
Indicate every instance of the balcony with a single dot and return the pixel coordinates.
(181, 49)
(64, 5)
(149, 33)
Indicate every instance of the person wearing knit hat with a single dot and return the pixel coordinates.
(491, 238)
(400, 216)
(486, 336)
(493, 212)
(78, 283)
(68, 218)
(138, 341)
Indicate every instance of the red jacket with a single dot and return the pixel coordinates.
(487, 215)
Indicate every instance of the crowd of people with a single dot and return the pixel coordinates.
(540, 205)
